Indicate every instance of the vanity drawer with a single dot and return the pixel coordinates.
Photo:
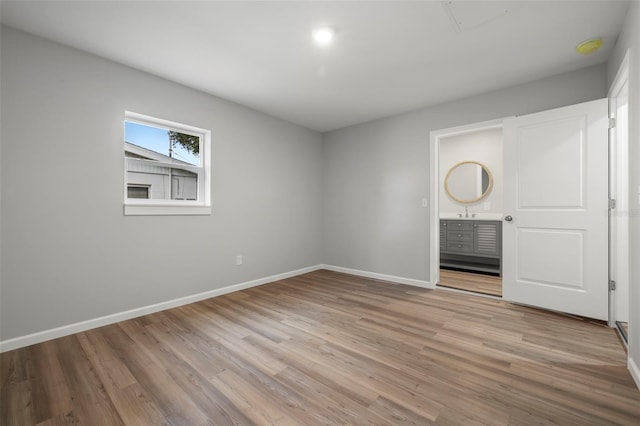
(459, 236)
(460, 247)
(460, 225)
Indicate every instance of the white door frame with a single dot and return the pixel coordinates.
(619, 189)
(434, 188)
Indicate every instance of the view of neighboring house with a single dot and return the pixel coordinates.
(149, 176)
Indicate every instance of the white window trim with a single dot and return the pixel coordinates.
(150, 207)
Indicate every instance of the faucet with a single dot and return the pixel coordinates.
(466, 211)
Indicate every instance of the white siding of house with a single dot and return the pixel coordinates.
(185, 183)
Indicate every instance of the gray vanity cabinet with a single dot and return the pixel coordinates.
(473, 245)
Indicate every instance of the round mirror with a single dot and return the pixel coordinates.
(468, 182)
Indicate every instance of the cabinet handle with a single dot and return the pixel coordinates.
(459, 235)
(459, 224)
(459, 245)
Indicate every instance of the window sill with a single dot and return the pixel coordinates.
(159, 210)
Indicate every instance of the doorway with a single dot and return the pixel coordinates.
(554, 233)
(469, 207)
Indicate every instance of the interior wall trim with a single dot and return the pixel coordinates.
(377, 276)
(65, 330)
(634, 370)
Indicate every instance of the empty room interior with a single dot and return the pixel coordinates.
(320, 213)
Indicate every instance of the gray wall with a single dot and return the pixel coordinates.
(69, 254)
(630, 39)
(376, 173)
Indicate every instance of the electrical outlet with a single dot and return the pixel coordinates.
(239, 259)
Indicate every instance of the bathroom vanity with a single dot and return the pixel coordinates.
(471, 244)
(470, 241)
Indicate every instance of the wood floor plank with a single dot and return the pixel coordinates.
(217, 407)
(327, 348)
(48, 383)
(257, 405)
(127, 396)
(145, 359)
(326, 405)
(90, 401)
(17, 404)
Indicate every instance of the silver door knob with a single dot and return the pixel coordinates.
(508, 218)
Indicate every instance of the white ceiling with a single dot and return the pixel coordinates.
(388, 56)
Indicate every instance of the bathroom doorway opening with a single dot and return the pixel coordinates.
(469, 208)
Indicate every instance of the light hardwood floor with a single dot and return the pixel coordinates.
(327, 348)
(479, 283)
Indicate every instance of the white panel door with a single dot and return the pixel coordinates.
(555, 233)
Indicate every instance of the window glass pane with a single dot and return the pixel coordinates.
(137, 192)
(184, 186)
(171, 146)
(146, 144)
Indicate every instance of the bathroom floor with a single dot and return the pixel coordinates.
(469, 281)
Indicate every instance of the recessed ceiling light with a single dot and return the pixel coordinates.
(588, 47)
(323, 36)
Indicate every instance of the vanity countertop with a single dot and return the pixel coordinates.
(478, 216)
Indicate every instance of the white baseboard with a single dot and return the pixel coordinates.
(635, 371)
(54, 333)
(377, 276)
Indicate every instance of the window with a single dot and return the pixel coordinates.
(167, 167)
(138, 191)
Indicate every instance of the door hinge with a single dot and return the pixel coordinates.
(612, 123)
(612, 285)
(612, 203)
